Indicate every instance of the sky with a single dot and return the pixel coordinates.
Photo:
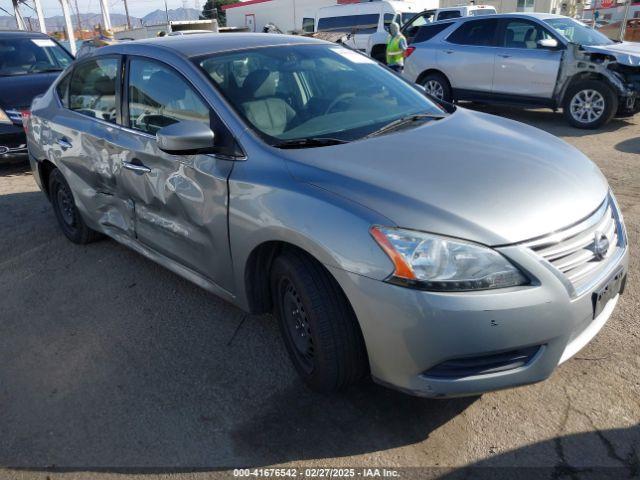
(137, 8)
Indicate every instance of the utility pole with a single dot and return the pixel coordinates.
(69, 25)
(106, 18)
(623, 27)
(43, 27)
(126, 10)
(78, 21)
(166, 12)
(19, 20)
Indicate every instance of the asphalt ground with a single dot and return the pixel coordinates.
(111, 366)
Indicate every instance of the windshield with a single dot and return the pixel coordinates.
(576, 32)
(21, 56)
(313, 91)
(482, 11)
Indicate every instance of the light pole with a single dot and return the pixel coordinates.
(623, 27)
(106, 18)
(43, 27)
(69, 26)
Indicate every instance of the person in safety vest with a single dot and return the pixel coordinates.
(396, 46)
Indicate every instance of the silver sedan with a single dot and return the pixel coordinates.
(440, 251)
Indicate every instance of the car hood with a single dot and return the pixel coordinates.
(470, 175)
(17, 91)
(626, 53)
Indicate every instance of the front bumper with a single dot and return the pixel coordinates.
(13, 142)
(409, 332)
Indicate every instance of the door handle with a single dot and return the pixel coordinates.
(136, 167)
(448, 52)
(505, 56)
(64, 143)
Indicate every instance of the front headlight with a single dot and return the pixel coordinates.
(4, 118)
(431, 262)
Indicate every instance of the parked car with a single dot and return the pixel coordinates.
(528, 59)
(368, 22)
(29, 63)
(444, 251)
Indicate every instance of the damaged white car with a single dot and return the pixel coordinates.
(527, 59)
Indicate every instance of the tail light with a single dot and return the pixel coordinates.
(26, 115)
(409, 51)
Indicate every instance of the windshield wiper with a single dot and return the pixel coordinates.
(47, 70)
(407, 119)
(309, 142)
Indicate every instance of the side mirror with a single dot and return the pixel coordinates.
(549, 43)
(186, 137)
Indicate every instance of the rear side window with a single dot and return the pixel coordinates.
(159, 96)
(429, 31)
(476, 32)
(449, 14)
(92, 91)
(62, 90)
(361, 23)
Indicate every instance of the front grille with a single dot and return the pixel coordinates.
(581, 250)
(483, 365)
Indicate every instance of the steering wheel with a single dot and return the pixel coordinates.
(338, 99)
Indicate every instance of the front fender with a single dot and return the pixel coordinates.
(332, 229)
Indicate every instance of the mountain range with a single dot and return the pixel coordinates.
(88, 20)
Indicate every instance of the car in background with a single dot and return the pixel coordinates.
(530, 59)
(367, 23)
(29, 63)
(411, 27)
(443, 251)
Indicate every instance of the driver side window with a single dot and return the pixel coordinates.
(159, 96)
(93, 89)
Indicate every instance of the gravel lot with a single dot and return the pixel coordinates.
(111, 364)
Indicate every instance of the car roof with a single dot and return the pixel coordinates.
(21, 34)
(197, 45)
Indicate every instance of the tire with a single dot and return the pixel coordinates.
(67, 213)
(319, 327)
(599, 100)
(437, 85)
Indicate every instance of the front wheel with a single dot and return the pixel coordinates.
(437, 85)
(319, 328)
(589, 104)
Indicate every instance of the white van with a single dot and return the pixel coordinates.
(369, 22)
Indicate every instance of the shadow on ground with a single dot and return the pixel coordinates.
(110, 362)
(597, 455)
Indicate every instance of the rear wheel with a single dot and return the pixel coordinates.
(437, 85)
(589, 104)
(67, 213)
(318, 326)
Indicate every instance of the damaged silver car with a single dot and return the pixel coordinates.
(530, 59)
(440, 250)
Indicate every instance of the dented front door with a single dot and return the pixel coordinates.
(180, 204)
(179, 201)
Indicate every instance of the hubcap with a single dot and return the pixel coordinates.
(587, 106)
(66, 206)
(434, 88)
(297, 326)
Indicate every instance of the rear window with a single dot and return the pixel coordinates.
(22, 56)
(427, 32)
(449, 14)
(361, 23)
(482, 11)
(476, 32)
